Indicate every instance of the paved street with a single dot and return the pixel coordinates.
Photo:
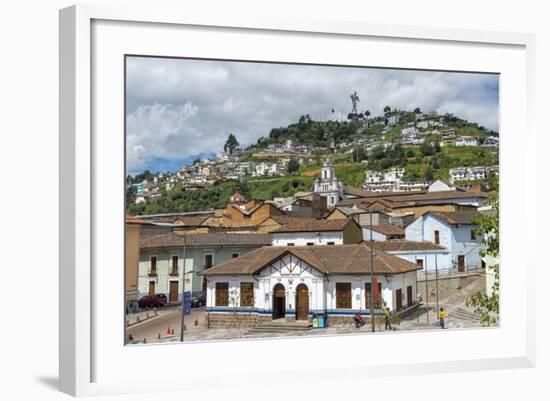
(169, 317)
(458, 317)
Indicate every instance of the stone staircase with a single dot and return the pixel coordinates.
(280, 326)
(465, 314)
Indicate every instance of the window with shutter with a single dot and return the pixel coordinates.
(153, 266)
(343, 295)
(222, 294)
(368, 295)
(247, 294)
(174, 265)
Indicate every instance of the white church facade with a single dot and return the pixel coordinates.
(328, 186)
(297, 283)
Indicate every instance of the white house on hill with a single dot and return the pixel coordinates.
(453, 230)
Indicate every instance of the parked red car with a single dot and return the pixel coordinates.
(151, 301)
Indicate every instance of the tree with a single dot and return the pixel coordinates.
(429, 174)
(387, 109)
(417, 110)
(293, 166)
(367, 114)
(230, 144)
(485, 305)
(426, 149)
(197, 161)
(359, 154)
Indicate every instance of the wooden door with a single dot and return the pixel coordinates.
(302, 302)
(409, 295)
(460, 263)
(398, 299)
(279, 301)
(151, 288)
(173, 296)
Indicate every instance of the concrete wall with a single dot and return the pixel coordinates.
(131, 262)
(301, 239)
(376, 236)
(449, 285)
(352, 234)
(443, 258)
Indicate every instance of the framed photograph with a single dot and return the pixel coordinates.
(314, 199)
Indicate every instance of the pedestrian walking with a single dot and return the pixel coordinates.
(442, 315)
(387, 318)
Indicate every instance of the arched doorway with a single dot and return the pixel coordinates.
(279, 301)
(302, 302)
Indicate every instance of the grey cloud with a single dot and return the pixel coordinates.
(178, 108)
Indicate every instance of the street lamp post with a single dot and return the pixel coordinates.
(371, 274)
(183, 288)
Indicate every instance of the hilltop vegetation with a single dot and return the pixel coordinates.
(428, 161)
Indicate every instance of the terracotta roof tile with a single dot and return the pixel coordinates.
(456, 218)
(404, 246)
(386, 229)
(329, 259)
(308, 225)
(171, 240)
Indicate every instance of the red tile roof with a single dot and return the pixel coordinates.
(172, 240)
(386, 229)
(404, 246)
(329, 259)
(309, 225)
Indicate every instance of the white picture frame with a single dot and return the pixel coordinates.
(90, 364)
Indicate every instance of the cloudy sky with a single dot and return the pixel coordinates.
(179, 109)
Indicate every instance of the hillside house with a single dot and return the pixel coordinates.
(466, 141)
(456, 231)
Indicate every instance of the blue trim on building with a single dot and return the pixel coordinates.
(292, 312)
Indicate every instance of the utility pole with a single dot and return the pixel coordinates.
(436, 286)
(183, 289)
(426, 281)
(371, 274)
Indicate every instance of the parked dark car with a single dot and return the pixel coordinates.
(198, 299)
(151, 301)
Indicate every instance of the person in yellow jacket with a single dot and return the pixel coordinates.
(442, 315)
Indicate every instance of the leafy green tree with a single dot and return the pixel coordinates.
(293, 166)
(197, 161)
(387, 109)
(230, 144)
(359, 154)
(429, 174)
(417, 110)
(427, 149)
(485, 305)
